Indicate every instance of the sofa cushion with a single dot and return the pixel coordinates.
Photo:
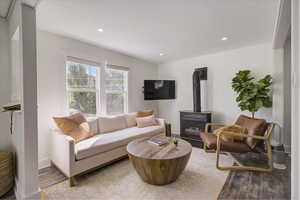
(232, 128)
(106, 142)
(74, 126)
(130, 119)
(93, 124)
(144, 113)
(255, 127)
(146, 121)
(69, 123)
(110, 124)
(210, 140)
(77, 117)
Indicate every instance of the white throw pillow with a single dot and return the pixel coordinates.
(131, 119)
(110, 124)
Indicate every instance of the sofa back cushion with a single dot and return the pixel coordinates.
(93, 124)
(255, 127)
(110, 124)
(130, 119)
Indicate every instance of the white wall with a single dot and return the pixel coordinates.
(5, 138)
(221, 69)
(278, 94)
(295, 41)
(24, 138)
(52, 52)
(287, 95)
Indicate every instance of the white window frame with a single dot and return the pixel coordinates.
(100, 84)
(125, 92)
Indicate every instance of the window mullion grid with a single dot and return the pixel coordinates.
(98, 93)
(126, 92)
(102, 90)
(81, 90)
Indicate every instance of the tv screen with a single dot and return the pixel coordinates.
(159, 89)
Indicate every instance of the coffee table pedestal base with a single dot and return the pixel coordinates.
(159, 171)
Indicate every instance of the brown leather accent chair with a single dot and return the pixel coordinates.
(258, 134)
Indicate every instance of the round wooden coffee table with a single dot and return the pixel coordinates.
(159, 165)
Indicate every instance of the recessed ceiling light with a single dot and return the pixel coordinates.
(161, 54)
(224, 38)
(100, 30)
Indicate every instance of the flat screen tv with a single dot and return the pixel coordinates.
(159, 89)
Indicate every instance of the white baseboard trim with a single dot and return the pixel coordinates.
(43, 163)
(21, 196)
(35, 195)
(17, 190)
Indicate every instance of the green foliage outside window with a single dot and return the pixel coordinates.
(82, 90)
(82, 77)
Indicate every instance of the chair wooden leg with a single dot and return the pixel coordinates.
(218, 153)
(269, 155)
(72, 181)
(208, 150)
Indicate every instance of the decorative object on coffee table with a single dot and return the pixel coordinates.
(6, 172)
(159, 165)
(168, 130)
(175, 141)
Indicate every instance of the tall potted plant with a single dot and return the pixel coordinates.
(252, 94)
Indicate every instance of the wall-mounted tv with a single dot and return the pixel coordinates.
(159, 89)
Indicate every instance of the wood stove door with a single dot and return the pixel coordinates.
(191, 128)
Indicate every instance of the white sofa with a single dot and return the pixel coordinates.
(111, 136)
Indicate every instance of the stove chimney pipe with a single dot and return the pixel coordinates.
(198, 75)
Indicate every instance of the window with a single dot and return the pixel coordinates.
(82, 87)
(93, 89)
(116, 91)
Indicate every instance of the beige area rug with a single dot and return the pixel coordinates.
(200, 180)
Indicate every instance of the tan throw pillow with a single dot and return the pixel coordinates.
(74, 126)
(146, 121)
(144, 113)
(231, 138)
(77, 117)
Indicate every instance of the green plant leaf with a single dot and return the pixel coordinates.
(252, 95)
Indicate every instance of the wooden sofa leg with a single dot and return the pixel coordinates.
(73, 181)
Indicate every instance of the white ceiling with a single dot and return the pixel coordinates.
(4, 7)
(145, 28)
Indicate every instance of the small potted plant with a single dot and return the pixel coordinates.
(175, 141)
